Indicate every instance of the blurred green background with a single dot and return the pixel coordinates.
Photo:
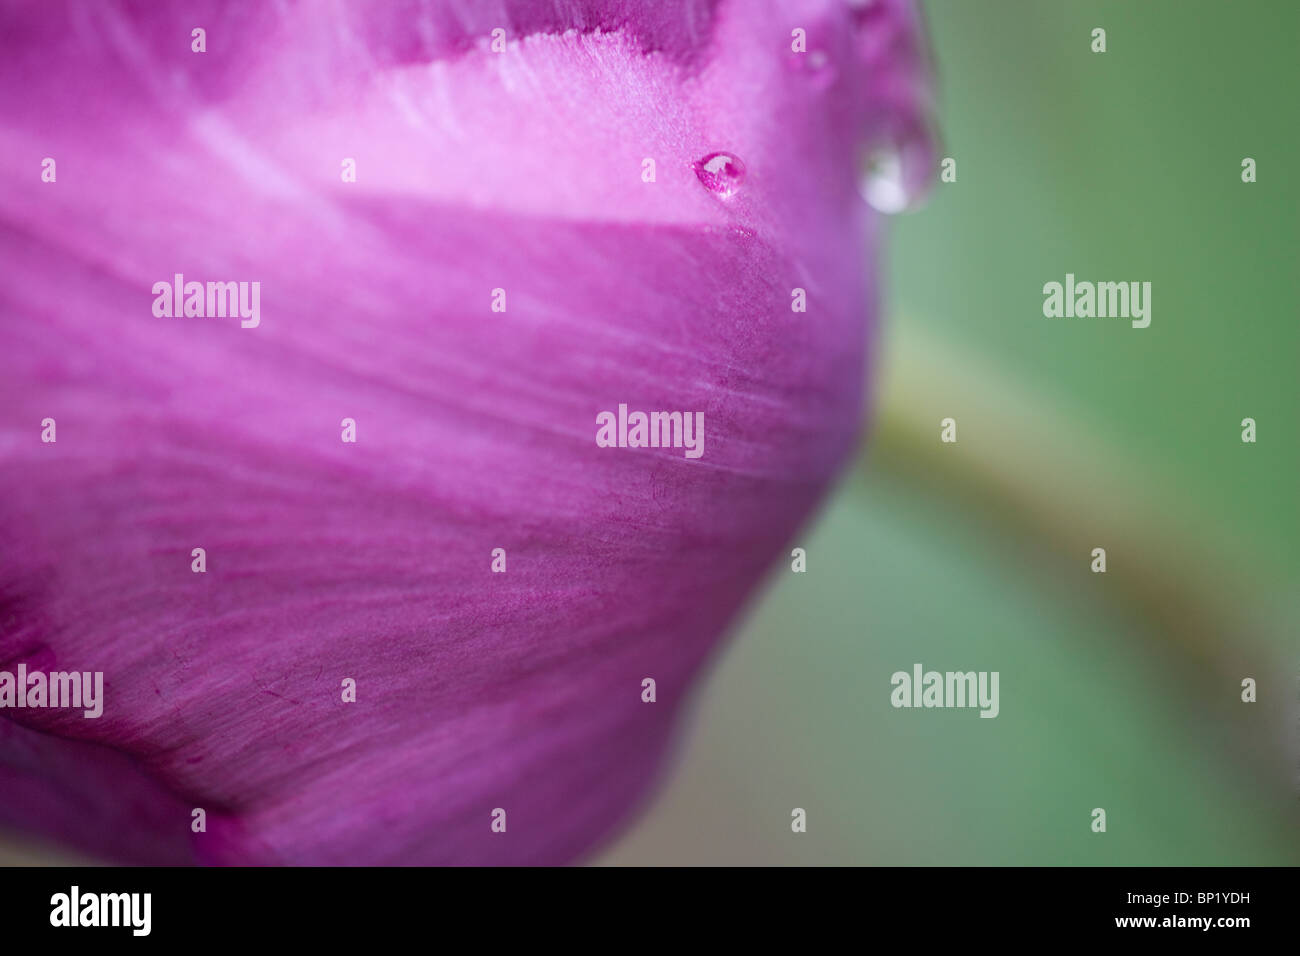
(1121, 690)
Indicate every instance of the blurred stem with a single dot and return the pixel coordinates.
(1042, 475)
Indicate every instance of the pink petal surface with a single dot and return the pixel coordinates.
(475, 171)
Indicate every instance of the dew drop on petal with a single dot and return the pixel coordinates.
(896, 177)
(815, 67)
(721, 173)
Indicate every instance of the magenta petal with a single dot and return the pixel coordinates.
(476, 171)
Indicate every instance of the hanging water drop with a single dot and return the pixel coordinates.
(896, 177)
(721, 173)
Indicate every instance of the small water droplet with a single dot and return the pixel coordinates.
(721, 173)
(896, 177)
(815, 67)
